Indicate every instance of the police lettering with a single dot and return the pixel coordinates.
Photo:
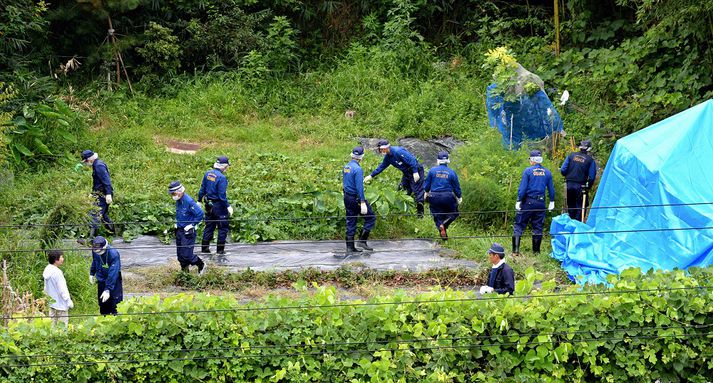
(538, 172)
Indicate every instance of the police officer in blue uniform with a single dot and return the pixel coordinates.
(106, 272)
(580, 170)
(442, 191)
(188, 216)
(355, 202)
(101, 190)
(213, 193)
(530, 203)
(412, 179)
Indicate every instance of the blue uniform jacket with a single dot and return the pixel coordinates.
(401, 159)
(188, 212)
(214, 186)
(442, 179)
(534, 181)
(101, 182)
(579, 167)
(353, 179)
(107, 269)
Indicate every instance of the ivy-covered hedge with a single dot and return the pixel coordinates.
(643, 328)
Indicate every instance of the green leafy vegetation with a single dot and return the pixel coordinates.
(645, 327)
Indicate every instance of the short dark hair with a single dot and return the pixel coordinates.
(54, 256)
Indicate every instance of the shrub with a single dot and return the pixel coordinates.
(644, 328)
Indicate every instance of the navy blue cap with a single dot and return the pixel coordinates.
(497, 248)
(382, 143)
(98, 242)
(358, 151)
(86, 154)
(174, 187)
(585, 144)
(535, 153)
(223, 160)
(442, 155)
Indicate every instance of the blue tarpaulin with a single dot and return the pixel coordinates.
(654, 205)
(523, 119)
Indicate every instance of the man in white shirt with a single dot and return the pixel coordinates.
(56, 288)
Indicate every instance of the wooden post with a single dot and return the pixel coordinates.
(557, 28)
(6, 296)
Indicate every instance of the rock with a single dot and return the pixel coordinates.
(425, 151)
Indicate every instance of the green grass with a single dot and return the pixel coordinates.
(287, 141)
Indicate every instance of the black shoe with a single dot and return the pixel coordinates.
(350, 246)
(220, 249)
(515, 245)
(205, 247)
(201, 268)
(419, 210)
(362, 242)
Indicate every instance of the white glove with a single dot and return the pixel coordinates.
(105, 296)
(188, 228)
(230, 210)
(552, 206)
(367, 179)
(486, 289)
(92, 279)
(70, 304)
(416, 177)
(364, 210)
(460, 200)
(200, 205)
(425, 195)
(108, 198)
(517, 205)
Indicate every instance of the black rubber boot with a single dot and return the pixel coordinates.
(419, 209)
(536, 242)
(221, 249)
(515, 245)
(201, 267)
(350, 246)
(362, 241)
(205, 247)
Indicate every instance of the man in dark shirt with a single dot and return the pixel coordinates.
(580, 170)
(501, 278)
(102, 191)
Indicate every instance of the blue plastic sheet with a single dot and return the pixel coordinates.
(524, 119)
(654, 205)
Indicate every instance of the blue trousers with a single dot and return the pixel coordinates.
(414, 189)
(109, 307)
(444, 208)
(532, 211)
(184, 247)
(351, 203)
(101, 215)
(219, 217)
